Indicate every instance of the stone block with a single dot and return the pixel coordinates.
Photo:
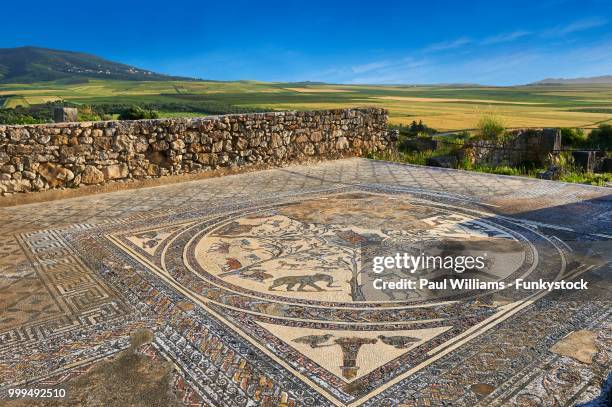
(65, 114)
(55, 174)
(443, 161)
(116, 171)
(553, 173)
(342, 143)
(92, 175)
(585, 160)
(29, 175)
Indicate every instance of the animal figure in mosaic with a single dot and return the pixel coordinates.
(303, 281)
(398, 342)
(220, 247)
(257, 275)
(149, 239)
(232, 264)
(315, 341)
(149, 244)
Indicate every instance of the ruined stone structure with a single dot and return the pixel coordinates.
(38, 157)
(520, 147)
(65, 114)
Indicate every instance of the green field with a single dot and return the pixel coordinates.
(441, 107)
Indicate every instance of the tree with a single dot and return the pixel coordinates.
(137, 113)
(573, 137)
(601, 137)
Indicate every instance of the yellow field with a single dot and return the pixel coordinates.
(443, 100)
(14, 102)
(441, 107)
(455, 116)
(322, 90)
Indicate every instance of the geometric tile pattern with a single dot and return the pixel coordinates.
(189, 262)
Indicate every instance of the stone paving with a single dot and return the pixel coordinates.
(248, 282)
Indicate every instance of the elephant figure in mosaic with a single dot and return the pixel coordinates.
(302, 282)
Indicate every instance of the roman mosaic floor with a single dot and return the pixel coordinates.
(253, 287)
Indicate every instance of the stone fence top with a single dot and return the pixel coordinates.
(42, 156)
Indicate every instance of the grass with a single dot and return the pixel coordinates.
(420, 158)
(441, 107)
(588, 178)
(504, 170)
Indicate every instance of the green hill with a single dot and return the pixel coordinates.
(33, 64)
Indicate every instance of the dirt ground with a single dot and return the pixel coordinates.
(128, 379)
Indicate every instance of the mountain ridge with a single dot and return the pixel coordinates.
(30, 64)
(603, 79)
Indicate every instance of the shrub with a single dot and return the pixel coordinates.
(87, 114)
(601, 137)
(564, 160)
(137, 113)
(27, 115)
(409, 144)
(490, 127)
(19, 119)
(414, 129)
(420, 128)
(462, 135)
(573, 137)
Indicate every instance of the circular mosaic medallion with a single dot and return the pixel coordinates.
(319, 251)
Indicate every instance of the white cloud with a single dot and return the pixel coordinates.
(559, 31)
(501, 68)
(400, 70)
(505, 37)
(370, 66)
(576, 26)
(446, 45)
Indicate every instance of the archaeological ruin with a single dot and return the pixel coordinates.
(39, 157)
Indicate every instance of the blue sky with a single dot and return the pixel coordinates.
(487, 42)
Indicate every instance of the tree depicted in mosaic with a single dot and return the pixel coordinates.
(293, 255)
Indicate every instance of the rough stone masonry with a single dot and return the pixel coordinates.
(39, 157)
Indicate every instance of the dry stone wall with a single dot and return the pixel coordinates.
(39, 157)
